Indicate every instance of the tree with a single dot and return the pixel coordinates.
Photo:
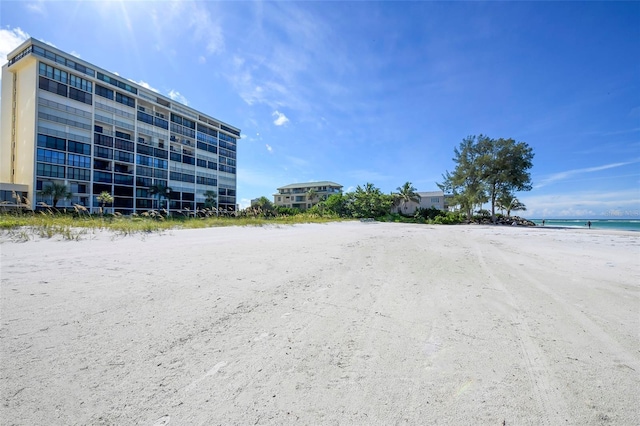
(57, 191)
(486, 169)
(311, 195)
(264, 205)
(369, 201)
(465, 184)
(210, 198)
(104, 198)
(405, 194)
(504, 165)
(509, 203)
(162, 191)
(337, 204)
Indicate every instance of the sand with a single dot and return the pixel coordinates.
(343, 323)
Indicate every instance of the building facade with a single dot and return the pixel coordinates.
(303, 196)
(432, 199)
(68, 121)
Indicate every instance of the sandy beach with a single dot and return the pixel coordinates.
(345, 323)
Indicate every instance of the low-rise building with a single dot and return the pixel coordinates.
(431, 199)
(303, 196)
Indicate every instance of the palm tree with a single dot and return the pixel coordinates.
(57, 191)
(406, 193)
(104, 198)
(311, 195)
(510, 203)
(210, 199)
(161, 190)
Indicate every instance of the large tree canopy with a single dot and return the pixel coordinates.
(487, 170)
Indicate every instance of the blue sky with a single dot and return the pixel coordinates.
(382, 92)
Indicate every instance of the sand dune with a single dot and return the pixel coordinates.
(345, 323)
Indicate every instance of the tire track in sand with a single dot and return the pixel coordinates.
(551, 403)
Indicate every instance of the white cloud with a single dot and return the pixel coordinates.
(281, 119)
(145, 85)
(9, 40)
(570, 173)
(76, 54)
(269, 148)
(176, 96)
(37, 7)
(581, 204)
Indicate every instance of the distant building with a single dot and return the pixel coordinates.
(305, 195)
(432, 199)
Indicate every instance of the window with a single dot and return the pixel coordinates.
(80, 148)
(435, 199)
(144, 171)
(78, 161)
(145, 118)
(117, 83)
(101, 152)
(49, 170)
(160, 164)
(124, 144)
(102, 177)
(126, 100)
(201, 163)
(50, 156)
(80, 83)
(79, 174)
(104, 92)
(103, 140)
(51, 142)
(123, 156)
(81, 96)
(52, 86)
(143, 160)
(123, 135)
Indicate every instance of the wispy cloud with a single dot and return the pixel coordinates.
(269, 148)
(176, 96)
(571, 173)
(583, 204)
(281, 119)
(36, 7)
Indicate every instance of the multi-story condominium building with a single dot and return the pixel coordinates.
(68, 121)
(305, 195)
(432, 199)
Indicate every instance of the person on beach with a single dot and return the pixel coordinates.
(589, 224)
(542, 222)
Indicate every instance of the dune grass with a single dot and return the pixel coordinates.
(26, 226)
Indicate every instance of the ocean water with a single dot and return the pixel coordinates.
(620, 224)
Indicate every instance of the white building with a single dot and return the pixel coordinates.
(432, 199)
(68, 121)
(303, 196)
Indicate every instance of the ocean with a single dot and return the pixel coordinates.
(620, 224)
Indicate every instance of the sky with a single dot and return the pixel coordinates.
(382, 92)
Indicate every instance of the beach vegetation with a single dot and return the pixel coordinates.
(210, 198)
(405, 194)
(104, 198)
(368, 201)
(57, 191)
(160, 190)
